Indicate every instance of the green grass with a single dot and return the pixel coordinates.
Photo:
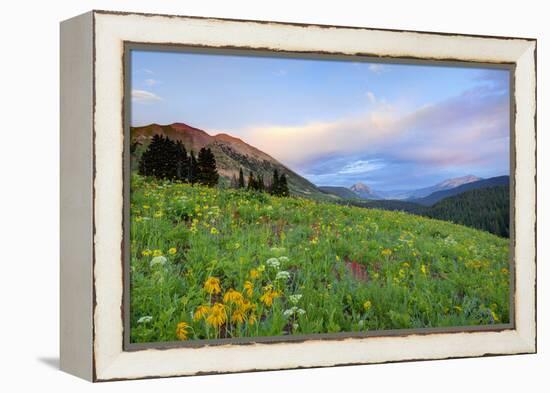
(414, 272)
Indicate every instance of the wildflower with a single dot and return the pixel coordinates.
(423, 269)
(367, 305)
(251, 319)
(254, 274)
(160, 260)
(146, 253)
(212, 285)
(261, 268)
(495, 316)
(283, 259)
(201, 312)
(337, 258)
(295, 326)
(458, 308)
(238, 316)
(406, 265)
(213, 231)
(268, 297)
(282, 275)
(294, 299)
(172, 251)
(217, 316)
(145, 319)
(273, 262)
(401, 273)
(249, 288)
(145, 207)
(157, 253)
(138, 219)
(232, 296)
(386, 252)
(158, 214)
(237, 246)
(181, 330)
(504, 270)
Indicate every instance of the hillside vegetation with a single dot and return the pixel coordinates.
(215, 263)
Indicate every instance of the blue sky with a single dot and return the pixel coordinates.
(391, 126)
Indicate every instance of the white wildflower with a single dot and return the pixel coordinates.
(283, 259)
(160, 260)
(273, 262)
(282, 275)
(294, 299)
(145, 319)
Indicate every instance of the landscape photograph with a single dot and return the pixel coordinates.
(289, 196)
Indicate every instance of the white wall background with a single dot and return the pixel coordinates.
(29, 96)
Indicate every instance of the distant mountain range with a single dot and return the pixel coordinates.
(484, 183)
(231, 154)
(361, 190)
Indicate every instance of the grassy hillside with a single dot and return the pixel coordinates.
(340, 192)
(209, 263)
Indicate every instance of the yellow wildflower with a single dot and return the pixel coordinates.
(158, 214)
(423, 269)
(172, 251)
(495, 316)
(212, 285)
(249, 288)
(201, 312)
(181, 330)
(146, 253)
(213, 231)
(504, 270)
(386, 252)
(458, 308)
(217, 316)
(146, 207)
(251, 319)
(232, 296)
(254, 274)
(238, 316)
(367, 305)
(337, 258)
(268, 297)
(406, 265)
(157, 253)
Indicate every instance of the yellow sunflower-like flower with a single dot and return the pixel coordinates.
(201, 312)
(217, 315)
(238, 316)
(233, 297)
(249, 288)
(172, 251)
(254, 274)
(213, 231)
(181, 330)
(367, 305)
(423, 269)
(212, 285)
(268, 297)
(157, 253)
(146, 253)
(386, 252)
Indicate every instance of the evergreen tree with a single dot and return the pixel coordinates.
(207, 172)
(182, 170)
(241, 178)
(275, 183)
(251, 182)
(192, 169)
(160, 158)
(260, 186)
(283, 186)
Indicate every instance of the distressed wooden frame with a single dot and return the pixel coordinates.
(92, 195)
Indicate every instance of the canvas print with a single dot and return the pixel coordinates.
(290, 197)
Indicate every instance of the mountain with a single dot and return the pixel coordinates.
(484, 183)
(231, 154)
(364, 191)
(341, 192)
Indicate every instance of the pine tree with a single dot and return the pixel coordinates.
(207, 173)
(241, 178)
(182, 170)
(251, 182)
(192, 169)
(260, 186)
(283, 186)
(274, 189)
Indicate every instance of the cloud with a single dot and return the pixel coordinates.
(371, 97)
(150, 82)
(144, 96)
(377, 68)
(361, 166)
(470, 129)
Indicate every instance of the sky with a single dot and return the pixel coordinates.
(336, 122)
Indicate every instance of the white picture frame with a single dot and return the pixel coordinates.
(92, 194)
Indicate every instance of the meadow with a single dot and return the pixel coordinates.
(221, 263)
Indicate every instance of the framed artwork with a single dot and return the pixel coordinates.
(246, 195)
